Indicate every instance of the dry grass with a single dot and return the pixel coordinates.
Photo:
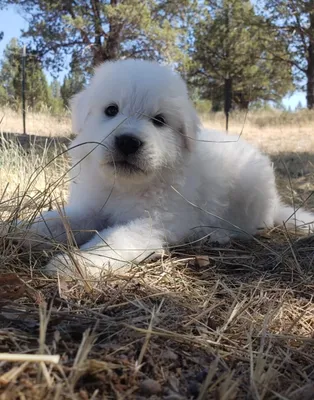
(234, 323)
(41, 124)
(272, 131)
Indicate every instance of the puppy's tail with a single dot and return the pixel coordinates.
(294, 218)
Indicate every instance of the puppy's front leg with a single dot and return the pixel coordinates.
(53, 227)
(116, 248)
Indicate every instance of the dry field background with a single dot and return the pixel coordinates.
(233, 322)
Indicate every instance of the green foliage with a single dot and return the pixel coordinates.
(73, 82)
(37, 92)
(55, 89)
(203, 107)
(1, 33)
(103, 29)
(9, 70)
(291, 20)
(3, 96)
(230, 42)
(294, 21)
(36, 88)
(55, 100)
(207, 41)
(261, 105)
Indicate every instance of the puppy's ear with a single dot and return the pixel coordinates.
(80, 110)
(191, 126)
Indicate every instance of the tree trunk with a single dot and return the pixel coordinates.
(98, 32)
(110, 49)
(310, 67)
(244, 105)
(310, 80)
(241, 101)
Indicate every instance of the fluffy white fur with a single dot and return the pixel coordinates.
(184, 184)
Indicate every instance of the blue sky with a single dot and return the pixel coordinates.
(11, 24)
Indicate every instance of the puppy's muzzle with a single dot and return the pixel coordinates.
(127, 144)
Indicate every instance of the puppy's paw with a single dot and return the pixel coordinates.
(61, 264)
(222, 237)
(74, 265)
(85, 265)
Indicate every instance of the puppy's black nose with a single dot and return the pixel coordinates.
(127, 144)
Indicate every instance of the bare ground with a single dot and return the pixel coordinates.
(232, 322)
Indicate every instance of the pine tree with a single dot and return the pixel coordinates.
(101, 30)
(36, 88)
(293, 20)
(55, 99)
(55, 88)
(9, 69)
(37, 93)
(2, 5)
(73, 82)
(230, 44)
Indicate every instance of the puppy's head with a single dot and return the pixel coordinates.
(134, 120)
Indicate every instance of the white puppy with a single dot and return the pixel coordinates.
(145, 176)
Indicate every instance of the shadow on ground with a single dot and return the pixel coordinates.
(27, 141)
(295, 177)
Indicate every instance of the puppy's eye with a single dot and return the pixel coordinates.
(159, 120)
(112, 110)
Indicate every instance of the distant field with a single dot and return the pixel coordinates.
(273, 131)
(42, 124)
